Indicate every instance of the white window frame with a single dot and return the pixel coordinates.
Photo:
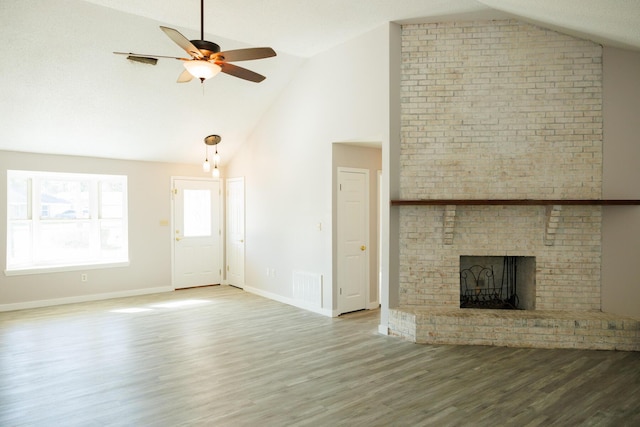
(34, 221)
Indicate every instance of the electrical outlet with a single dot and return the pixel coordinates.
(83, 277)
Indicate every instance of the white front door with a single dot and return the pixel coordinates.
(235, 232)
(197, 234)
(353, 240)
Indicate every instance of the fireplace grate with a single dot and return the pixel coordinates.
(479, 290)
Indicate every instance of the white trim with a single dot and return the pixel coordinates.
(288, 301)
(228, 245)
(83, 298)
(195, 178)
(63, 268)
(379, 209)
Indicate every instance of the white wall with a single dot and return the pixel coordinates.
(621, 180)
(339, 95)
(149, 233)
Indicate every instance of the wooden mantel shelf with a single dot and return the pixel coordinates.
(552, 218)
(519, 202)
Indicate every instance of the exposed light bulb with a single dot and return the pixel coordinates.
(202, 69)
(206, 166)
(216, 172)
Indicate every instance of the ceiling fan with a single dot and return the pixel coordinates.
(205, 59)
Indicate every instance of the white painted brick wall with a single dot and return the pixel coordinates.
(503, 110)
(499, 108)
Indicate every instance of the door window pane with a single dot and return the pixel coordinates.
(197, 213)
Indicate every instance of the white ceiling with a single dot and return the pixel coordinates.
(65, 92)
(307, 27)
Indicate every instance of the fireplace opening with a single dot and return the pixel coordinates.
(497, 282)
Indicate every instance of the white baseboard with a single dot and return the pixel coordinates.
(288, 301)
(82, 298)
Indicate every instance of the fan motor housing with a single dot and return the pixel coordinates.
(206, 47)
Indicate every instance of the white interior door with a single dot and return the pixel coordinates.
(353, 239)
(197, 234)
(235, 232)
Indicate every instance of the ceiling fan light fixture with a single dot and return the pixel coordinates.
(202, 69)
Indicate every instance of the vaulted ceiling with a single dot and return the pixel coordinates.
(304, 28)
(65, 92)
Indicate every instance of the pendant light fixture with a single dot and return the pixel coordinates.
(206, 166)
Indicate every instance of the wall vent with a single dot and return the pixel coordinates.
(307, 288)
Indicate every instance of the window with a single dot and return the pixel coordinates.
(57, 221)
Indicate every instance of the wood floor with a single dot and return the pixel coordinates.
(219, 356)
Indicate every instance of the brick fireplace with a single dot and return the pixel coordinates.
(502, 110)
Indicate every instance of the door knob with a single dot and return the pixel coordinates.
(178, 239)
(363, 248)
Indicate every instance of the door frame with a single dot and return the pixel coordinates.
(367, 243)
(227, 233)
(379, 205)
(173, 225)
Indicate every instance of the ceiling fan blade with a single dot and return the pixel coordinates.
(243, 73)
(246, 54)
(182, 41)
(143, 59)
(184, 77)
(142, 55)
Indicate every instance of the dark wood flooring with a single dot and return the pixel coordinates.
(219, 356)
